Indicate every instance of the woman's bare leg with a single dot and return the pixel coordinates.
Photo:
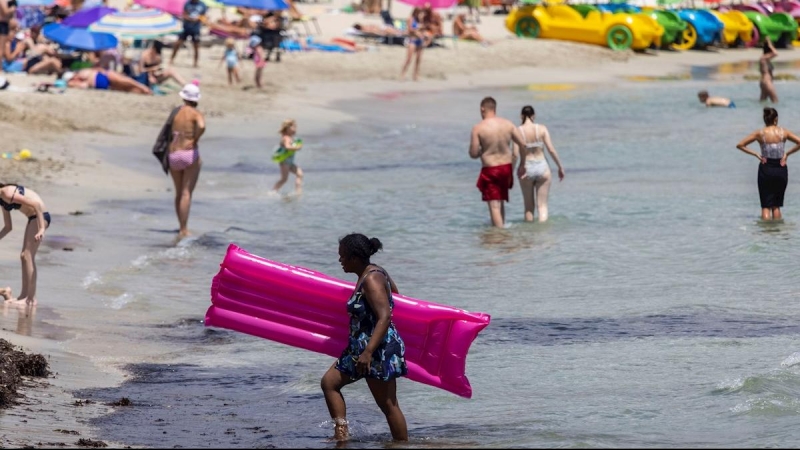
(183, 200)
(298, 179)
(385, 394)
(284, 177)
(409, 54)
(332, 383)
(119, 82)
(542, 190)
(28, 258)
(417, 62)
(526, 184)
(776, 214)
(46, 66)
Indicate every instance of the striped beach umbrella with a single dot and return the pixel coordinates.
(138, 24)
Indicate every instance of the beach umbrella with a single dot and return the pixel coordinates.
(138, 24)
(267, 5)
(86, 17)
(79, 38)
(28, 16)
(35, 2)
(435, 4)
(174, 7)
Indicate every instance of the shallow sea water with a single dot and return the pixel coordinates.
(654, 309)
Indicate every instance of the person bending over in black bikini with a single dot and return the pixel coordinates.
(28, 202)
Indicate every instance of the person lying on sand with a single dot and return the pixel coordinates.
(104, 80)
(379, 30)
(714, 101)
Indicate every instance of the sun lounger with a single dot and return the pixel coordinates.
(376, 38)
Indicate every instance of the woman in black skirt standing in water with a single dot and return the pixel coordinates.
(773, 174)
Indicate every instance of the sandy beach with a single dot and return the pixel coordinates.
(68, 135)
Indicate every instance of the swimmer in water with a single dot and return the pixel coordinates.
(714, 101)
(28, 202)
(533, 171)
(765, 67)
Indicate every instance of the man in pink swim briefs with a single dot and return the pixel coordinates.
(188, 126)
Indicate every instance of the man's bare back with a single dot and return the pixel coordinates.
(490, 141)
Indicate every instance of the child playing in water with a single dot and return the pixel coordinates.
(30, 204)
(231, 60)
(284, 155)
(714, 101)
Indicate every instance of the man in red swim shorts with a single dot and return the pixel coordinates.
(490, 142)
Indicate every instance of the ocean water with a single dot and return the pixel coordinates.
(654, 309)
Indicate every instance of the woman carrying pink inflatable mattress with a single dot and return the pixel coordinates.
(389, 335)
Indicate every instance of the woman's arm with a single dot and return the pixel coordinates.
(374, 289)
(523, 153)
(790, 137)
(199, 128)
(552, 150)
(288, 143)
(37, 206)
(6, 220)
(747, 141)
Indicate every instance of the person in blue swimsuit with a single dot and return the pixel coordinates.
(104, 80)
(28, 202)
(416, 41)
(375, 350)
(231, 60)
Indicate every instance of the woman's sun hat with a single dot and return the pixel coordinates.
(190, 93)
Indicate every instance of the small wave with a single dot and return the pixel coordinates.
(120, 301)
(180, 253)
(792, 360)
(768, 407)
(92, 279)
(733, 385)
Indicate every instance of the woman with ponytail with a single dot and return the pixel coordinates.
(534, 171)
(30, 204)
(773, 175)
(375, 351)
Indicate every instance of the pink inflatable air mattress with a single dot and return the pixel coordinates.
(303, 308)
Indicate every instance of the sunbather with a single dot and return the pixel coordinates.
(466, 32)
(232, 29)
(151, 70)
(16, 58)
(378, 30)
(104, 80)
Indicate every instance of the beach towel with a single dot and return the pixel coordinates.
(161, 147)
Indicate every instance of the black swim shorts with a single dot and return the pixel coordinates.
(190, 30)
(4, 29)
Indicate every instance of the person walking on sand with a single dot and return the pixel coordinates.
(773, 175)
(284, 156)
(765, 67)
(231, 59)
(489, 142)
(194, 13)
(375, 350)
(533, 171)
(188, 126)
(15, 197)
(7, 13)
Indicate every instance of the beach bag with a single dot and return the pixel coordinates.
(161, 147)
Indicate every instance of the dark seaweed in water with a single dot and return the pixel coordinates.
(90, 443)
(15, 364)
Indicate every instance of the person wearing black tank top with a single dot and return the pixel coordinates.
(28, 202)
(375, 350)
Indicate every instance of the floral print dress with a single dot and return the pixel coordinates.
(388, 360)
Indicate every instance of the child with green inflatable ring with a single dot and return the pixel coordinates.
(284, 156)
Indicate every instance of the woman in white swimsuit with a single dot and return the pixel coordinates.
(534, 172)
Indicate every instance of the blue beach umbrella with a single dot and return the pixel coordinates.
(35, 2)
(86, 17)
(79, 38)
(270, 5)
